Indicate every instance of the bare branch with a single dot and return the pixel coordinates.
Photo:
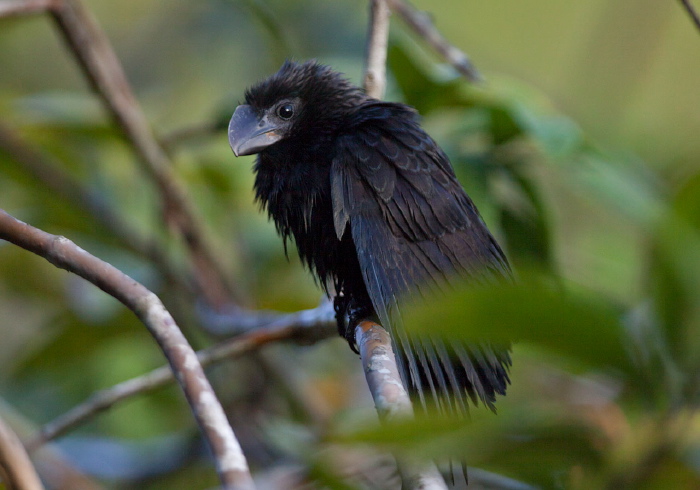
(421, 23)
(235, 320)
(377, 43)
(382, 374)
(694, 16)
(17, 469)
(304, 327)
(391, 399)
(61, 252)
(16, 8)
(49, 461)
(102, 67)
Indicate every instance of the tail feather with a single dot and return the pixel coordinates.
(448, 372)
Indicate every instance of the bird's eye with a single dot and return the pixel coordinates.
(285, 111)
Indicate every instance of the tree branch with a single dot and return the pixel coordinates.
(382, 374)
(691, 12)
(101, 66)
(304, 327)
(17, 469)
(16, 8)
(377, 42)
(49, 461)
(378, 360)
(420, 22)
(61, 252)
(391, 399)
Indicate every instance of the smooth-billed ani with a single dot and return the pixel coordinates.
(377, 215)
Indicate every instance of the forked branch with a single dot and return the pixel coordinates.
(61, 252)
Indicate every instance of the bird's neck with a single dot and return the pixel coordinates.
(291, 185)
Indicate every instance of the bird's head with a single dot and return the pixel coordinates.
(301, 99)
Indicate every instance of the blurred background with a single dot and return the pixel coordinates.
(581, 150)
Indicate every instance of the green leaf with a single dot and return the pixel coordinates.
(421, 89)
(524, 219)
(686, 202)
(575, 324)
(531, 447)
(628, 187)
(675, 288)
(504, 126)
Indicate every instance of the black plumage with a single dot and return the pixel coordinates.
(377, 214)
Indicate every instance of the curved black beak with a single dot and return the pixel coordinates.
(248, 134)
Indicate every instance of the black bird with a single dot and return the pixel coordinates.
(377, 215)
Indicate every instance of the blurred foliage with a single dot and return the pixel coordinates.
(640, 357)
(604, 313)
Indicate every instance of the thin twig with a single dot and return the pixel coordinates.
(101, 66)
(377, 42)
(16, 8)
(17, 469)
(691, 12)
(304, 327)
(61, 252)
(391, 399)
(421, 23)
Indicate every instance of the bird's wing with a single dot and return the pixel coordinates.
(415, 231)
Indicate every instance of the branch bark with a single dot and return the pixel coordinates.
(374, 343)
(61, 252)
(381, 372)
(694, 16)
(48, 461)
(422, 25)
(377, 42)
(391, 399)
(16, 8)
(17, 469)
(304, 327)
(101, 66)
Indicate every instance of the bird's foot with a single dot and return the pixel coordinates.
(340, 305)
(348, 315)
(356, 314)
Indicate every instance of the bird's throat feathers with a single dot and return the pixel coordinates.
(294, 193)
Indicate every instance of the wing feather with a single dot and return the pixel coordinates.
(415, 231)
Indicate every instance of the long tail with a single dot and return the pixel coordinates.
(450, 376)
